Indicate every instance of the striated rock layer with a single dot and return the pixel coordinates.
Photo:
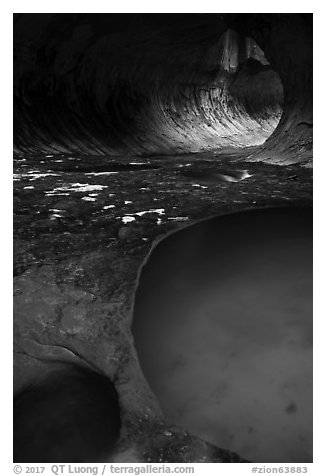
(146, 84)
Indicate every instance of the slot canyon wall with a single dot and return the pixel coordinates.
(127, 128)
(162, 84)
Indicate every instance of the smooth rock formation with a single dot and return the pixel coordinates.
(162, 84)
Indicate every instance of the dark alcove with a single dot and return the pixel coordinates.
(71, 415)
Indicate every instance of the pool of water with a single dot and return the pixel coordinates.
(223, 330)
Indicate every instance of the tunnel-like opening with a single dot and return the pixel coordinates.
(143, 84)
(151, 85)
(243, 102)
(223, 330)
(71, 415)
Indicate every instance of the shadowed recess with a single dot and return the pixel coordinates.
(71, 415)
(223, 330)
(146, 84)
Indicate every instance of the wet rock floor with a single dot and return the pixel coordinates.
(83, 227)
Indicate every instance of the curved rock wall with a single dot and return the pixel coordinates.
(140, 84)
(287, 43)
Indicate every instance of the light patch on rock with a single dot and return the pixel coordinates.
(128, 219)
(198, 185)
(108, 206)
(78, 187)
(160, 211)
(246, 174)
(95, 174)
(179, 218)
(34, 176)
(89, 199)
(39, 175)
(242, 175)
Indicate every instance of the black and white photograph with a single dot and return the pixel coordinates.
(162, 239)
